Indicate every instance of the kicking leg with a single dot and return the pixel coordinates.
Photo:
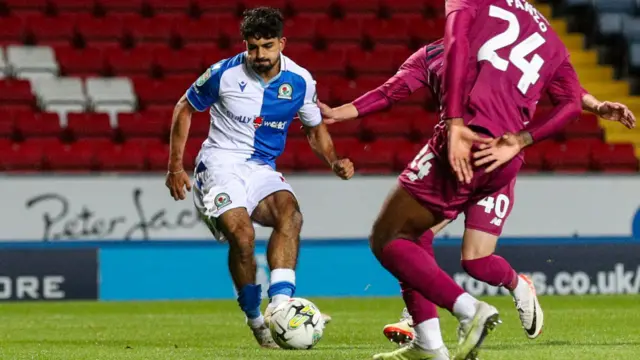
(238, 230)
(393, 241)
(281, 212)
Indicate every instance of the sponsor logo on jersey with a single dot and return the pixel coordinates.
(257, 122)
(285, 91)
(239, 118)
(242, 85)
(222, 200)
(204, 77)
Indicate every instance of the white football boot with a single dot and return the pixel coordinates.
(529, 309)
(413, 352)
(402, 332)
(263, 336)
(472, 333)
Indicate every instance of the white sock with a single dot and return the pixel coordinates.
(428, 334)
(282, 275)
(465, 307)
(521, 290)
(256, 323)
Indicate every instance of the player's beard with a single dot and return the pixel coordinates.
(264, 67)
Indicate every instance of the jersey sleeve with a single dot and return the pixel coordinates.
(309, 111)
(205, 91)
(411, 77)
(460, 17)
(566, 94)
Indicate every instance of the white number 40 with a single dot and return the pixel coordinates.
(499, 205)
(530, 69)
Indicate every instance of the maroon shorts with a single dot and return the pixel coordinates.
(486, 202)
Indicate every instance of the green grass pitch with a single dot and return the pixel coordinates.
(603, 327)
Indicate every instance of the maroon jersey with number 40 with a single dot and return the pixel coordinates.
(499, 57)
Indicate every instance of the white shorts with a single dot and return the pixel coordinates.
(223, 187)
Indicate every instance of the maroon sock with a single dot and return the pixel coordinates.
(493, 269)
(418, 306)
(412, 265)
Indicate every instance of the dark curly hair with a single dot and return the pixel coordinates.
(262, 23)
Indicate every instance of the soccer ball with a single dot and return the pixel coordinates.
(296, 324)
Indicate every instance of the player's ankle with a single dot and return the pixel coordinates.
(283, 286)
(465, 307)
(256, 323)
(428, 335)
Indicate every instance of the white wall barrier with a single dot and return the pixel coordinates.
(139, 207)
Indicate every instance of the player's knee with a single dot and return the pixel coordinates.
(290, 220)
(242, 242)
(378, 238)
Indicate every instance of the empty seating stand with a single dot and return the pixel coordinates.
(91, 85)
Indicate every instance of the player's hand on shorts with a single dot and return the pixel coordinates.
(617, 112)
(461, 139)
(176, 182)
(343, 168)
(498, 152)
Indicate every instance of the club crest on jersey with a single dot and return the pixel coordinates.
(222, 200)
(285, 91)
(257, 122)
(204, 77)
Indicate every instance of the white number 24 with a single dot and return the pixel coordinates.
(530, 69)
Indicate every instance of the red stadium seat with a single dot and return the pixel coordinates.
(129, 62)
(568, 157)
(94, 144)
(210, 54)
(301, 27)
(115, 6)
(147, 124)
(426, 30)
(586, 126)
(172, 6)
(15, 92)
(348, 90)
(28, 5)
(38, 125)
(296, 129)
(384, 125)
(614, 158)
(534, 156)
(359, 6)
(380, 60)
(204, 30)
(340, 29)
(66, 6)
(21, 157)
(89, 125)
(217, 6)
(126, 157)
(394, 30)
(376, 157)
(408, 6)
(347, 129)
(158, 157)
(13, 30)
(100, 29)
(158, 29)
(286, 162)
(305, 158)
(319, 62)
(70, 157)
(229, 27)
(51, 29)
(7, 127)
(423, 122)
(184, 61)
(311, 5)
(80, 62)
(278, 4)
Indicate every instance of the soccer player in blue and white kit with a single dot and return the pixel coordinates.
(253, 98)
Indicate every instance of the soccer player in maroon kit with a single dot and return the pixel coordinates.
(502, 95)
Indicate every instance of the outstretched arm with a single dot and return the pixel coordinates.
(608, 110)
(411, 76)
